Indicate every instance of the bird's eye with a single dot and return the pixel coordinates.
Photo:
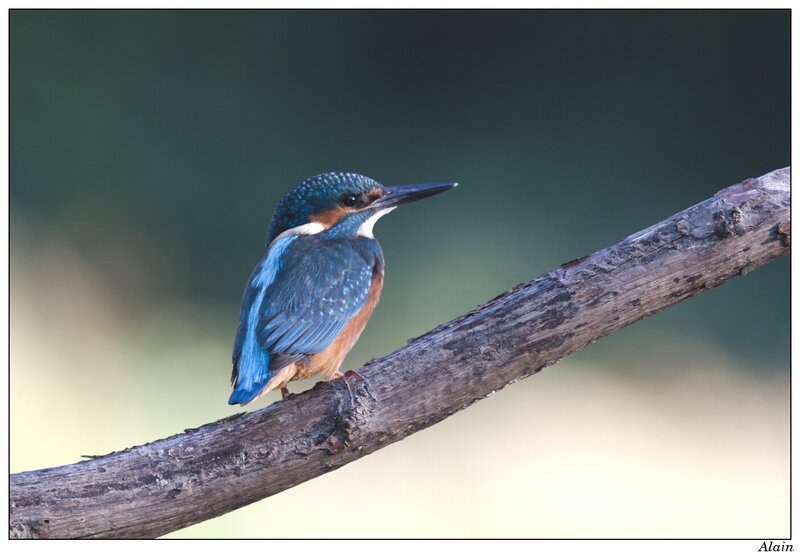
(350, 200)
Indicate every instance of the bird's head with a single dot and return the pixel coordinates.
(343, 203)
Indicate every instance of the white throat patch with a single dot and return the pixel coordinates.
(365, 229)
(308, 229)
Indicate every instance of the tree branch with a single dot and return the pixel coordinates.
(169, 484)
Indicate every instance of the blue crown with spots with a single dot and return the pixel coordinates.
(313, 195)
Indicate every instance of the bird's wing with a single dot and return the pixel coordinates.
(250, 293)
(263, 275)
(319, 287)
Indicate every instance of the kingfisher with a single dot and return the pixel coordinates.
(310, 297)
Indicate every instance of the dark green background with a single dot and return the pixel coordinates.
(158, 143)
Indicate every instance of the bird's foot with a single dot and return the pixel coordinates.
(285, 393)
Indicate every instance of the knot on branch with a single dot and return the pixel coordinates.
(353, 413)
(785, 231)
(727, 222)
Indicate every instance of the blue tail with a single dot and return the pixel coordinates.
(250, 373)
(243, 395)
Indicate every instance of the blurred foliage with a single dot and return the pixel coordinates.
(148, 149)
(160, 141)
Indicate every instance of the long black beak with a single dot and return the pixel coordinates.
(398, 195)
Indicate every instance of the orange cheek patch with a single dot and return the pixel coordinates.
(328, 218)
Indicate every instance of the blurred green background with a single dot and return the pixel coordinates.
(149, 148)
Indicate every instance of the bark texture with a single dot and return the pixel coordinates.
(157, 488)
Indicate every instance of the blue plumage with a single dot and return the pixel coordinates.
(321, 285)
(308, 299)
(251, 362)
(313, 195)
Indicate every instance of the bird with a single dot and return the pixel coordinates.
(310, 296)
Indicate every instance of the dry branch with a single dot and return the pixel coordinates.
(160, 487)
